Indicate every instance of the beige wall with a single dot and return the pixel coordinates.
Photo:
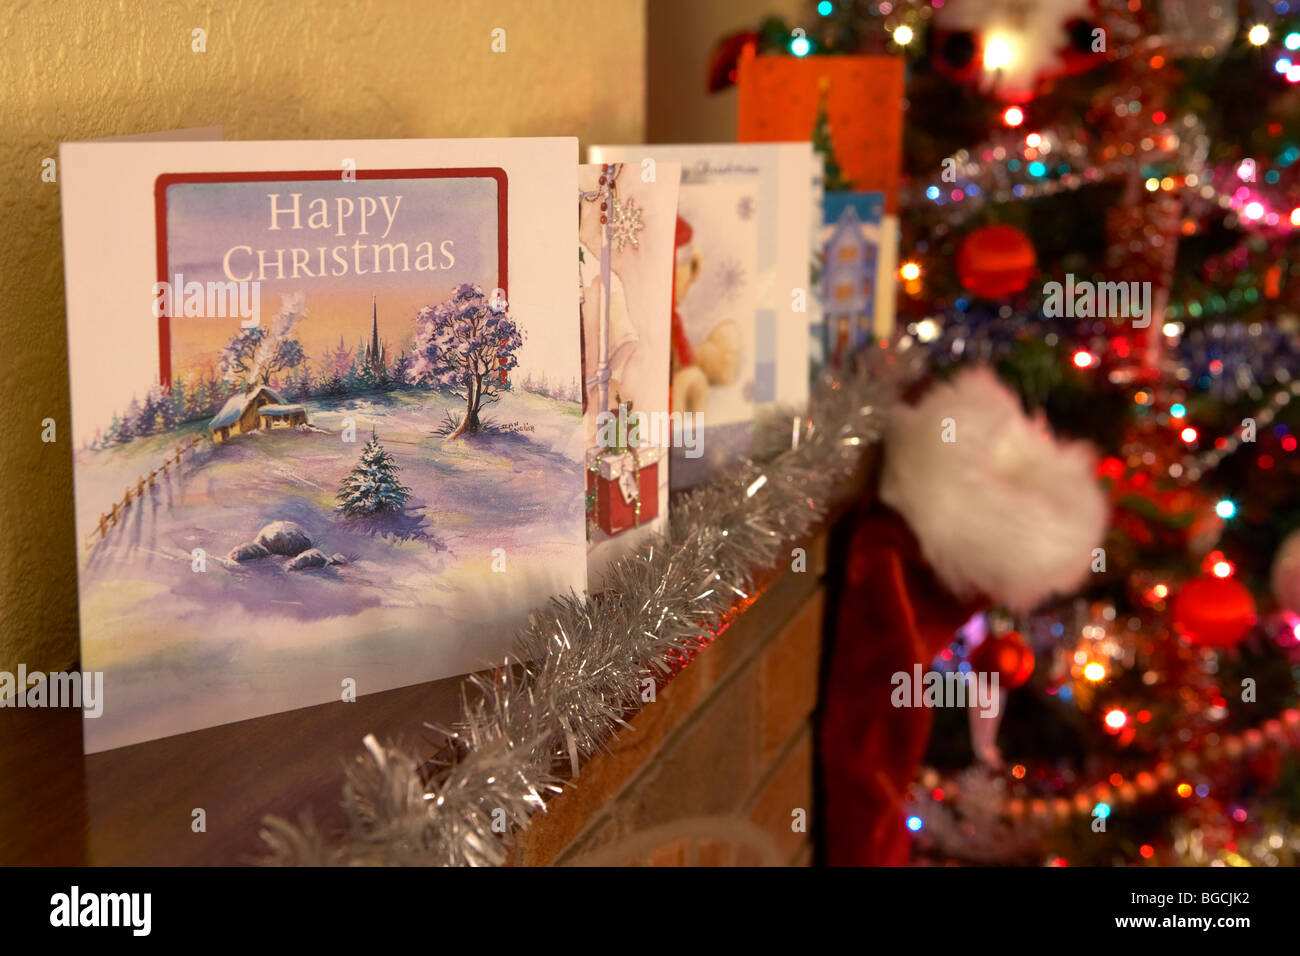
(71, 70)
(680, 35)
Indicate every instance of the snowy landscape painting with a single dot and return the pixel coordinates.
(369, 487)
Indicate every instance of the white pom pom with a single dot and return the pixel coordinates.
(1001, 509)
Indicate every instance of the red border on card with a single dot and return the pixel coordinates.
(168, 179)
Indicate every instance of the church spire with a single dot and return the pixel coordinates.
(375, 358)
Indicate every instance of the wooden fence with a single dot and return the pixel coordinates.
(118, 512)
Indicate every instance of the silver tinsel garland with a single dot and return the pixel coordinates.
(578, 667)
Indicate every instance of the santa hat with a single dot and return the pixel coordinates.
(683, 242)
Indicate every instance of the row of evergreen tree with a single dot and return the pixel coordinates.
(341, 371)
(540, 385)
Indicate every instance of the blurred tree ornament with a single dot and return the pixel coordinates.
(955, 55)
(996, 261)
(1198, 26)
(725, 59)
(1214, 612)
(1008, 656)
(1013, 49)
(1285, 577)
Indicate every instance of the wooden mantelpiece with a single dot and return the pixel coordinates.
(716, 769)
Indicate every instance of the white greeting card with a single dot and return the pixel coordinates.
(311, 461)
(780, 176)
(717, 278)
(626, 229)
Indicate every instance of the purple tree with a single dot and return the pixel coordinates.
(254, 355)
(466, 346)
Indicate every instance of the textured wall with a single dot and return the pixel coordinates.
(72, 70)
(680, 36)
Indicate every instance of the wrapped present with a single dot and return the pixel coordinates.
(622, 487)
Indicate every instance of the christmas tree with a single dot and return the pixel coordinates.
(823, 142)
(1151, 713)
(372, 487)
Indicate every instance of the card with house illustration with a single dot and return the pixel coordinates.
(627, 225)
(849, 283)
(327, 413)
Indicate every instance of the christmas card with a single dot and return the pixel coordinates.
(851, 107)
(854, 276)
(741, 321)
(627, 224)
(327, 410)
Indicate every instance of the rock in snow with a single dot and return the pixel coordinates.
(248, 551)
(284, 537)
(308, 559)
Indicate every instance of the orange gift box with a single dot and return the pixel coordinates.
(864, 104)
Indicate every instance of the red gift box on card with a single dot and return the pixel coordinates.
(620, 479)
(779, 97)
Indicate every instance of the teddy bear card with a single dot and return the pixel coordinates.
(627, 226)
(715, 290)
(326, 405)
(740, 337)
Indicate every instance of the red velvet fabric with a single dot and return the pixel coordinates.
(892, 614)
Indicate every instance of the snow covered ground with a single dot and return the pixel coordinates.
(184, 649)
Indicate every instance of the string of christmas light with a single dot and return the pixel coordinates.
(1197, 465)
(935, 791)
(1023, 166)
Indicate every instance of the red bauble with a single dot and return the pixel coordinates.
(995, 261)
(1214, 612)
(1008, 655)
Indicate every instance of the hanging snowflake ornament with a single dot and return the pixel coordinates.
(625, 224)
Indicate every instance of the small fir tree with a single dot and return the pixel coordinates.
(372, 487)
(823, 141)
(127, 429)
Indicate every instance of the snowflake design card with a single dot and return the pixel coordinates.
(326, 401)
(627, 224)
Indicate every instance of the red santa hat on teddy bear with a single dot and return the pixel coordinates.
(681, 344)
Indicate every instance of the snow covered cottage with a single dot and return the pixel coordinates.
(263, 407)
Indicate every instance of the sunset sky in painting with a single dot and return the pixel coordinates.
(206, 220)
